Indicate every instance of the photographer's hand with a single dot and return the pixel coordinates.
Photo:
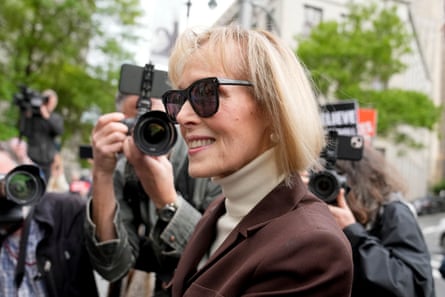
(154, 172)
(342, 213)
(44, 111)
(107, 140)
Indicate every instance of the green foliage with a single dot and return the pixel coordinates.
(45, 44)
(346, 58)
(397, 107)
(438, 187)
(367, 46)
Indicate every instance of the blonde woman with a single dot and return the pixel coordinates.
(250, 120)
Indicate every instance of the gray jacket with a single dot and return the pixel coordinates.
(144, 242)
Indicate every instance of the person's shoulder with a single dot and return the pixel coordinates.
(398, 210)
(313, 211)
(396, 201)
(63, 200)
(56, 114)
(54, 208)
(56, 117)
(312, 222)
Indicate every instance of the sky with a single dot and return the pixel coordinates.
(162, 13)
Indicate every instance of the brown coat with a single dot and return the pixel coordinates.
(288, 245)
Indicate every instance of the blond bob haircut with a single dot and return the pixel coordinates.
(281, 86)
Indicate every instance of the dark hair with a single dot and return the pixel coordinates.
(371, 180)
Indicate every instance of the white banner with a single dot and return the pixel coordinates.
(168, 19)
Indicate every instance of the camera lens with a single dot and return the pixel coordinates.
(154, 133)
(24, 185)
(325, 186)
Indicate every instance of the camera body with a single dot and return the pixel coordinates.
(30, 100)
(327, 183)
(153, 132)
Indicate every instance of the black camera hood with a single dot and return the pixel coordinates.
(10, 212)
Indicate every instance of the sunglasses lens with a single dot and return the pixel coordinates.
(202, 95)
(173, 103)
(204, 98)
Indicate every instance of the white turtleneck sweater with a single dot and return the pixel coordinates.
(243, 190)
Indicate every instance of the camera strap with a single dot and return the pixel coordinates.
(20, 269)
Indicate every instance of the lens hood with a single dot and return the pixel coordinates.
(154, 133)
(24, 184)
(326, 185)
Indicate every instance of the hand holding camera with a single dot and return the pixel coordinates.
(107, 138)
(341, 211)
(30, 101)
(327, 183)
(44, 111)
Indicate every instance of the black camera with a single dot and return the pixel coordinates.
(29, 100)
(327, 183)
(153, 132)
(23, 185)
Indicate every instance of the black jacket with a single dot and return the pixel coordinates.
(391, 259)
(42, 134)
(442, 268)
(61, 255)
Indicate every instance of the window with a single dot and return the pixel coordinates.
(312, 17)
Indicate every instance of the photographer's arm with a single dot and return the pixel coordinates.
(54, 120)
(110, 246)
(103, 206)
(399, 248)
(398, 260)
(171, 239)
(155, 174)
(56, 124)
(107, 140)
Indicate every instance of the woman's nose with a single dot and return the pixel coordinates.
(186, 113)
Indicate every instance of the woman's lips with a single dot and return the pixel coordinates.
(197, 143)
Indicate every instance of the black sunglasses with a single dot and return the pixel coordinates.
(202, 94)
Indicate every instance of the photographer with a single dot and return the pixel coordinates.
(42, 129)
(390, 254)
(41, 242)
(143, 208)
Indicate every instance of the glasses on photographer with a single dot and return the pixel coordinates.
(203, 96)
